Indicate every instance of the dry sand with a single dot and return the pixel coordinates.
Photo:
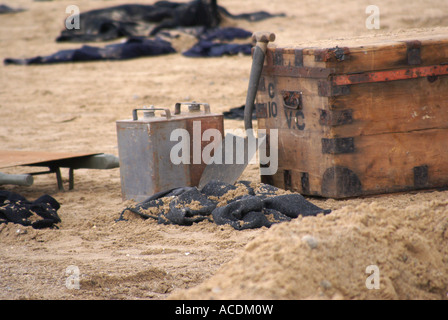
(73, 108)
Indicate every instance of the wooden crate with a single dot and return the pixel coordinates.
(358, 120)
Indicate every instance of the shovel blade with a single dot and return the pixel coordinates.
(221, 172)
(237, 152)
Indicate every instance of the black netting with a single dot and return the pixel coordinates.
(40, 213)
(243, 205)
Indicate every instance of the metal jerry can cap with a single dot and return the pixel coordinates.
(192, 107)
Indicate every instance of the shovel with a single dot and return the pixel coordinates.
(234, 162)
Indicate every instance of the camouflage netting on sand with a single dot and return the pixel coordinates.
(243, 205)
(40, 213)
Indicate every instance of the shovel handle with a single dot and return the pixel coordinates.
(262, 39)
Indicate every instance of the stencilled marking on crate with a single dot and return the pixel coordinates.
(338, 145)
(268, 109)
(295, 119)
(340, 182)
(334, 118)
(271, 90)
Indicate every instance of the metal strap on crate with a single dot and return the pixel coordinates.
(432, 72)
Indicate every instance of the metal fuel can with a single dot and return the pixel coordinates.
(149, 148)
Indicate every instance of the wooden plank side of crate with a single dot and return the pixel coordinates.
(396, 106)
(365, 165)
(395, 162)
(370, 108)
(369, 58)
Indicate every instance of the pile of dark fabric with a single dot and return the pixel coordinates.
(241, 205)
(148, 20)
(136, 47)
(133, 48)
(237, 113)
(7, 9)
(140, 20)
(40, 213)
(218, 42)
(147, 28)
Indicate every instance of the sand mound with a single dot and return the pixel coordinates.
(327, 257)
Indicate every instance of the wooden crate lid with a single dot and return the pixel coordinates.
(361, 54)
